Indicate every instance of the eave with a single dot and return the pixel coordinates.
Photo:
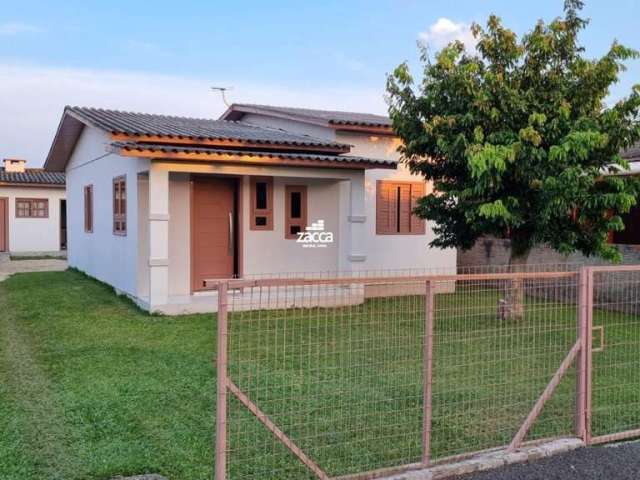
(32, 185)
(227, 143)
(370, 129)
(287, 159)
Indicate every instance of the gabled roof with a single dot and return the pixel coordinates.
(329, 118)
(150, 129)
(145, 124)
(32, 176)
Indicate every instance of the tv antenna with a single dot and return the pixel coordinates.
(223, 91)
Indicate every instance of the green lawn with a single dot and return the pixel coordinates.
(91, 388)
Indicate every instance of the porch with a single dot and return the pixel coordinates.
(202, 221)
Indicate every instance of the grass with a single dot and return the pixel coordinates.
(92, 388)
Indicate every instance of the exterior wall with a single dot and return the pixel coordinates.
(263, 252)
(179, 235)
(101, 254)
(34, 235)
(270, 252)
(317, 131)
(491, 251)
(393, 251)
(381, 251)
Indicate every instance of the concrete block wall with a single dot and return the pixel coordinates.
(490, 251)
(615, 291)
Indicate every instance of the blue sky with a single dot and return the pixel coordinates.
(161, 56)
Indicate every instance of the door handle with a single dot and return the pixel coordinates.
(230, 233)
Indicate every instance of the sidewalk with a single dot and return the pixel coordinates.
(9, 267)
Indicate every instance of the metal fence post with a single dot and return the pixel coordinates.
(581, 364)
(221, 371)
(588, 355)
(427, 358)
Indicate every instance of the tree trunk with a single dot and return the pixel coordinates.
(511, 306)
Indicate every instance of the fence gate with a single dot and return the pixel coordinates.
(614, 353)
(504, 355)
(353, 378)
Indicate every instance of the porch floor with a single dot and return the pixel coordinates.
(278, 298)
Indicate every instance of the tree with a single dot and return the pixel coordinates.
(517, 139)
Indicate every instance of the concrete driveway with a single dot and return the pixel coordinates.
(9, 267)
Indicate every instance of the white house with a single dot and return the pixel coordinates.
(159, 204)
(32, 210)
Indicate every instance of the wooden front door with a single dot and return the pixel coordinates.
(4, 224)
(213, 230)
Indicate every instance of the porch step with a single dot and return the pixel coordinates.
(4, 257)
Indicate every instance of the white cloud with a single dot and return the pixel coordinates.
(445, 31)
(32, 99)
(16, 28)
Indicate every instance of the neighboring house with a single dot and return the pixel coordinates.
(32, 210)
(495, 251)
(159, 204)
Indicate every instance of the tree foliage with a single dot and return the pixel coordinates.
(517, 139)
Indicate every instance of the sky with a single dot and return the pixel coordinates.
(163, 57)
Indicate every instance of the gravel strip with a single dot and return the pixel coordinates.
(614, 462)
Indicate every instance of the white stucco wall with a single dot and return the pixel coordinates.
(270, 252)
(382, 251)
(34, 235)
(262, 251)
(110, 258)
(179, 235)
(393, 251)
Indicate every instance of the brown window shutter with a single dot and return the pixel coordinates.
(86, 209)
(120, 205)
(417, 224)
(395, 202)
(385, 208)
(404, 208)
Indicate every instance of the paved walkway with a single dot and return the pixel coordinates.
(9, 267)
(614, 462)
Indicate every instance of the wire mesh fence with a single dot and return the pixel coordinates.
(336, 376)
(615, 353)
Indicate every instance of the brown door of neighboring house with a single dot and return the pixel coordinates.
(213, 230)
(4, 224)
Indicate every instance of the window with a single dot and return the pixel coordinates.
(631, 233)
(88, 208)
(395, 202)
(32, 208)
(261, 203)
(295, 210)
(120, 205)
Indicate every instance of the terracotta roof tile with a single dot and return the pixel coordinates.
(32, 176)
